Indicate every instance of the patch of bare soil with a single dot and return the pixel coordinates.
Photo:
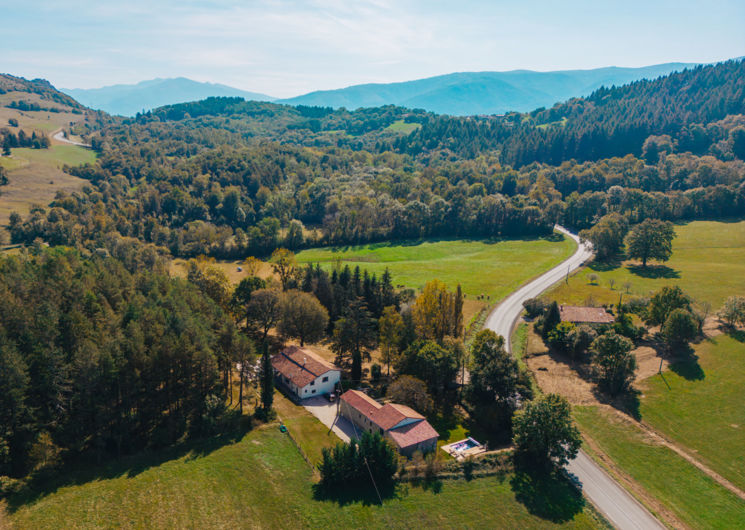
(558, 377)
(648, 362)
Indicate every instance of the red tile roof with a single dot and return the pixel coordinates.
(413, 433)
(590, 315)
(300, 366)
(361, 401)
(384, 416)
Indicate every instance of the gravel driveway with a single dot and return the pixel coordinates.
(326, 411)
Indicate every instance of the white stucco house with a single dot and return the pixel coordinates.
(303, 373)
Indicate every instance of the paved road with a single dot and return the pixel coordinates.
(614, 502)
(60, 137)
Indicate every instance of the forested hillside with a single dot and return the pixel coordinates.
(228, 178)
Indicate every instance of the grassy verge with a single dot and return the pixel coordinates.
(693, 497)
(261, 481)
(309, 433)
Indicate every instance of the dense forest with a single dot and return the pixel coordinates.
(227, 178)
(102, 352)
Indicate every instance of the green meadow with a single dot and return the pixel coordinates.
(708, 262)
(262, 481)
(697, 500)
(482, 267)
(700, 404)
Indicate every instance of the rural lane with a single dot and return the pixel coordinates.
(60, 137)
(621, 509)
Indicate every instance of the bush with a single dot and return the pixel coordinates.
(534, 307)
(559, 337)
(375, 372)
(679, 328)
(580, 339)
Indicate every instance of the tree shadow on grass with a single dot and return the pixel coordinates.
(688, 369)
(653, 271)
(367, 495)
(605, 265)
(549, 496)
(81, 470)
(737, 334)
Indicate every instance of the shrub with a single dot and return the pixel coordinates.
(679, 328)
(534, 307)
(559, 337)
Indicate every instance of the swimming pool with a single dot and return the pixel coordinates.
(464, 445)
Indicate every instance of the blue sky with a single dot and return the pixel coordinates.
(284, 48)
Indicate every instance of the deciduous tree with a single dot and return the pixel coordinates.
(302, 317)
(613, 359)
(544, 434)
(650, 239)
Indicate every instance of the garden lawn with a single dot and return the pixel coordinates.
(708, 262)
(702, 406)
(692, 496)
(262, 481)
(307, 430)
(482, 267)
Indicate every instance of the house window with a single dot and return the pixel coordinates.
(312, 383)
(325, 379)
(314, 391)
(381, 431)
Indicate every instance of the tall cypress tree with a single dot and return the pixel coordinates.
(267, 382)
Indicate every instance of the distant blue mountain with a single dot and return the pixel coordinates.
(128, 100)
(460, 94)
(470, 93)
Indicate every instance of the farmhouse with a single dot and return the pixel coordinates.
(303, 373)
(405, 427)
(585, 315)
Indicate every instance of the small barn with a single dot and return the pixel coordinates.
(303, 373)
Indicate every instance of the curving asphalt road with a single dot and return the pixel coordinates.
(614, 502)
(60, 137)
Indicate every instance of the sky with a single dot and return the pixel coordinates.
(285, 48)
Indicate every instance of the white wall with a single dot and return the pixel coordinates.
(320, 386)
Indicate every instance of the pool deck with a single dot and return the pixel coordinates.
(460, 455)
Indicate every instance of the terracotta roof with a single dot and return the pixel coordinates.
(300, 366)
(413, 433)
(384, 416)
(361, 401)
(407, 411)
(592, 315)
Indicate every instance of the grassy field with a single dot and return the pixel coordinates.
(401, 126)
(261, 481)
(57, 155)
(708, 262)
(491, 268)
(693, 497)
(702, 406)
(309, 433)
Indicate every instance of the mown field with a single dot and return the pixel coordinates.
(261, 481)
(701, 405)
(708, 262)
(491, 269)
(693, 497)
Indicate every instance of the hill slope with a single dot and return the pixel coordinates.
(470, 93)
(127, 100)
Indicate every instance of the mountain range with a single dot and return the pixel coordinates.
(462, 94)
(128, 100)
